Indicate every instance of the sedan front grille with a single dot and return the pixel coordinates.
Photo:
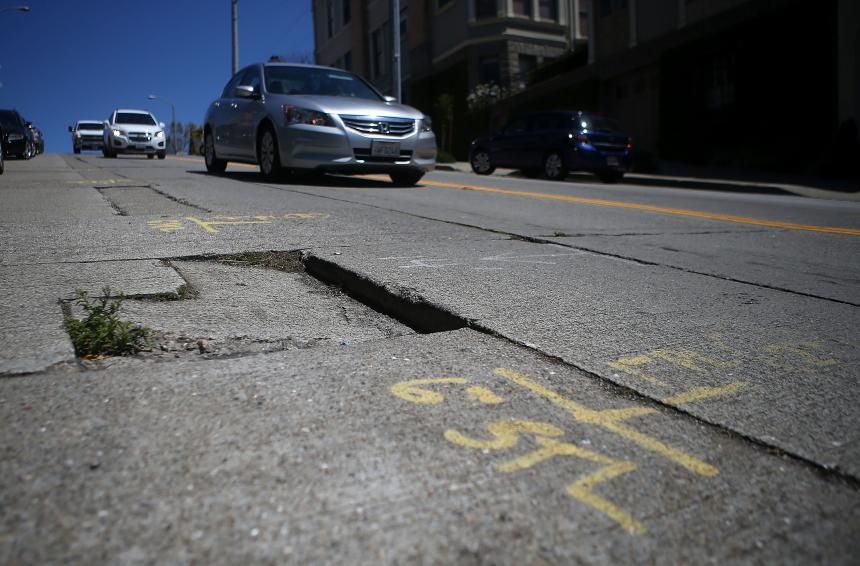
(383, 126)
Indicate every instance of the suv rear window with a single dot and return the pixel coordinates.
(281, 79)
(134, 118)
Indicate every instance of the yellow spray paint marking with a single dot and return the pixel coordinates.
(802, 349)
(229, 221)
(410, 391)
(628, 366)
(702, 393)
(651, 208)
(483, 395)
(166, 226)
(505, 435)
(306, 215)
(612, 421)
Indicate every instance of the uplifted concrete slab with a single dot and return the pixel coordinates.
(32, 337)
(438, 449)
(656, 331)
(245, 308)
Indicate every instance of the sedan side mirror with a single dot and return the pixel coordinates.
(246, 91)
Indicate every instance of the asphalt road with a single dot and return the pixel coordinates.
(473, 370)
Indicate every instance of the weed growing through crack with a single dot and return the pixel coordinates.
(101, 332)
(182, 293)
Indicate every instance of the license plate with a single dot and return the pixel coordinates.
(384, 149)
(612, 161)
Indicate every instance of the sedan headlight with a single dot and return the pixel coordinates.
(426, 124)
(296, 115)
(118, 133)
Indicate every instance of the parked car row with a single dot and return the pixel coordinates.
(126, 131)
(19, 137)
(287, 116)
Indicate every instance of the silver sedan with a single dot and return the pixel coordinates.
(306, 117)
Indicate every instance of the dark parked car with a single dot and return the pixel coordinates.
(553, 143)
(17, 136)
(2, 137)
(38, 139)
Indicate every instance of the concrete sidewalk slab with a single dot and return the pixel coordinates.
(494, 455)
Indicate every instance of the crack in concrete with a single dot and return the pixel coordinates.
(116, 207)
(540, 240)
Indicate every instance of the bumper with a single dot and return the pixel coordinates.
(88, 143)
(340, 150)
(120, 144)
(14, 147)
(584, 159)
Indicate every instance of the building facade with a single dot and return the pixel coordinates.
(448, 47)
(718, 82)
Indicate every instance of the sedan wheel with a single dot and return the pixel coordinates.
(481, 163)
(213, 164)
(553, 167)
(270, 163)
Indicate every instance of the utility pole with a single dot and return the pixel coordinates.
(235, 10)
(395, 40)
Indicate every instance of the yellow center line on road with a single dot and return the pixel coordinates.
(651, 208)
(620, 204)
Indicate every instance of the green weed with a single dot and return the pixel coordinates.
(101, 332)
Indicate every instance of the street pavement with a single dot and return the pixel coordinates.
(473, 370)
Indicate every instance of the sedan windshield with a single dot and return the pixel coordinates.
(311, 80)
(8, 119)
(91, 126)
(134, 118)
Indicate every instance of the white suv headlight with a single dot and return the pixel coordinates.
(159, 133)
(118, 133)
(426, 124)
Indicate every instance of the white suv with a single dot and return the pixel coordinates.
(134, 131)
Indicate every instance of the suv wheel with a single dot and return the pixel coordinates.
(268, 156)
(553, 167)
(213, 164)
(406, 178)
(77, 149)
(481, 163)
(162, 155)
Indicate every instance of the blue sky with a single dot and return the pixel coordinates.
(75, 59)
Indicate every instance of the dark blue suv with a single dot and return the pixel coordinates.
(553, 143)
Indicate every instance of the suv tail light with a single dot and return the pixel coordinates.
(629, 143)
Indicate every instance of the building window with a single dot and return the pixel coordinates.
(347, 61)
(347, 11)
(527, 63)
(548, 9)
(485, 9)
(609, 6)
(488, 69)
(377, 52)
(329, 12)
(523, 8)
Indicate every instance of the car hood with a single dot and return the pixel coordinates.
(137, 128)
(348, 105)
